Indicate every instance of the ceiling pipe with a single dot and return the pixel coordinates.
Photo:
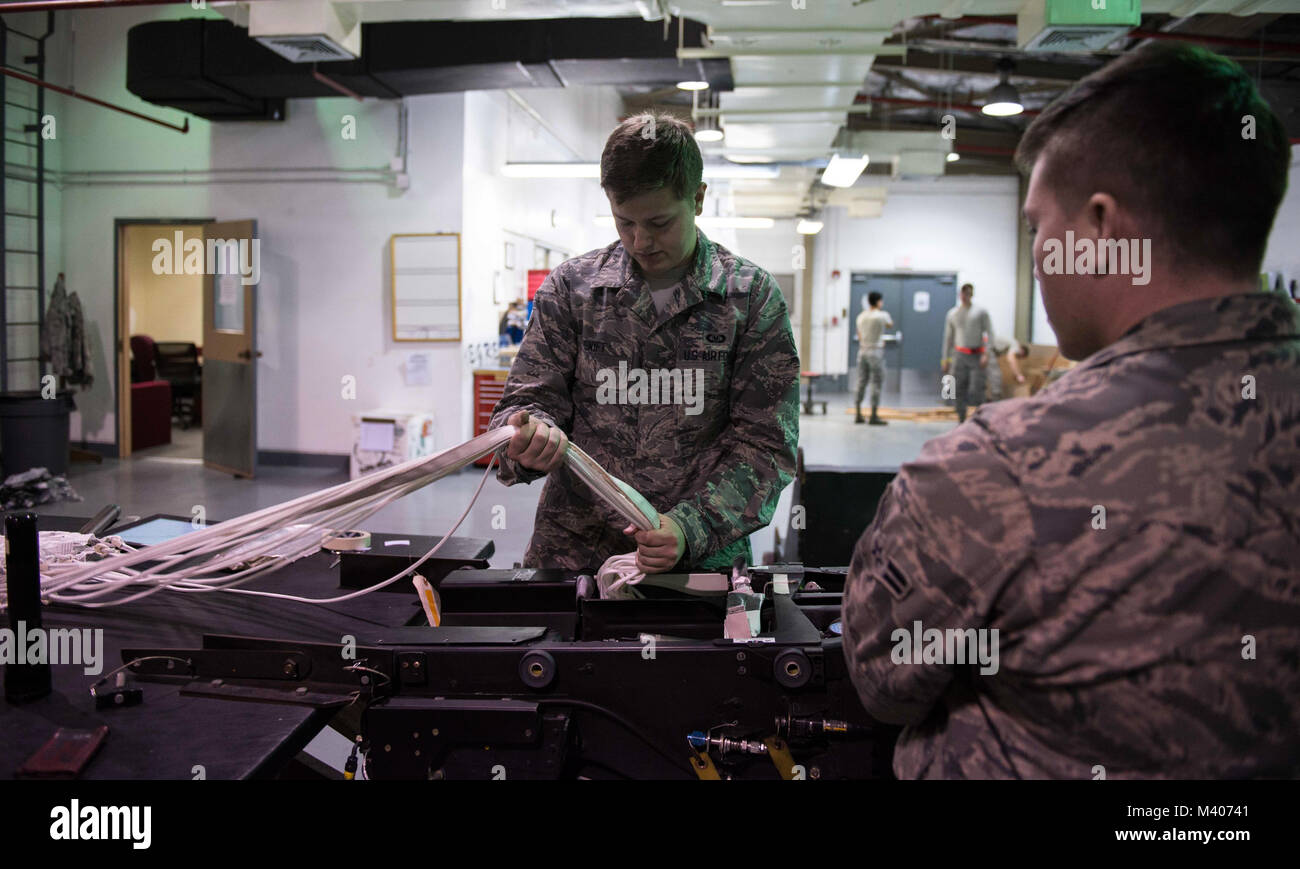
(970, 20)
(73, 5)
(1227, 41)
(329, 82)
(990, 150)
(931, 104)
(71, 93)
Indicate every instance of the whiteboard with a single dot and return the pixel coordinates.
(426, 286)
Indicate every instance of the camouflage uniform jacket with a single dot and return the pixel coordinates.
(1159, 639)
(717, 472)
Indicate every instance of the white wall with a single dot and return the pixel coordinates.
(558, 213)
(323, 306)
(1283, 254)
(324, 309)
(962, 224)
(166, 307)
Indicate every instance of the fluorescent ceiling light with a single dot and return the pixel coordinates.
(844, 171)
(592, 170)
(708, 135)
(728, 170)
(551, 170)
(711, 222)
(808, 227)
(953, 156)
(735, 222)
(693, 85)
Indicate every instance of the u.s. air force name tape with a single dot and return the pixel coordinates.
(346, 541)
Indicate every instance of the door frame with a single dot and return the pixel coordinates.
(122, 322)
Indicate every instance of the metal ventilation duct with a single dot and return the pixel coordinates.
(307, 31)
(214, 69)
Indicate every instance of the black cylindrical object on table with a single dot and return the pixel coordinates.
(24, 680)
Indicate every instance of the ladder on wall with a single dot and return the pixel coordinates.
(22, 192)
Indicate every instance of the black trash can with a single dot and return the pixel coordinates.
(34, 432)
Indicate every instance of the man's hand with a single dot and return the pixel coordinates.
(536, 445)
(945, 366)
(658, 551)
(984, 360)
(1020, 378)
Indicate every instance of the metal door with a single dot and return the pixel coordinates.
(229, 347)
(925, 302)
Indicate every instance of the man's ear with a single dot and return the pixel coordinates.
(699, 199)
(1102, 217)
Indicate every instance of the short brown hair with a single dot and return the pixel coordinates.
(1164, 129)
(650, 151)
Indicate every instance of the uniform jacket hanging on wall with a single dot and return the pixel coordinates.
(64, 341)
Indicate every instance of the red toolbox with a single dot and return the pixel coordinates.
(489, 386)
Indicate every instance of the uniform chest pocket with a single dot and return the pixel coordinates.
(596, 365)
(706, 399)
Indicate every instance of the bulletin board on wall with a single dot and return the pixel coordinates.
(425, 270)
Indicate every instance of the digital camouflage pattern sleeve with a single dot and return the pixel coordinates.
(762, 441)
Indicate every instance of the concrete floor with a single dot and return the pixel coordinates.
(172, 480)
(186, 444)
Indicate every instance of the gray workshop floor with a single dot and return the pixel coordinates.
(167, 481)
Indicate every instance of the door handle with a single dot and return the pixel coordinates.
(247, 355)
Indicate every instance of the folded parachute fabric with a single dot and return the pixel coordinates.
(617, 576)
(228, 554)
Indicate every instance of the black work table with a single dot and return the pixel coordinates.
(167, 735)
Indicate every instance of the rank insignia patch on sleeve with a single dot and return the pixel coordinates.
(894, 580)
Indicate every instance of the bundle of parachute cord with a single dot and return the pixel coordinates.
(101, 572)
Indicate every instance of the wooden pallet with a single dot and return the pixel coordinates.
(914, 414)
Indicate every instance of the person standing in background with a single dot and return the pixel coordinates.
(516, 321)
(872, 323)
(1011, 350)
(963, 331)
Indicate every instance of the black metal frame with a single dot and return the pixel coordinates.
(565, 696)
(39, 60)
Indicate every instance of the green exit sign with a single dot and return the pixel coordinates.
(1094, 12)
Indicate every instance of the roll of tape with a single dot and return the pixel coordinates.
(346, 541)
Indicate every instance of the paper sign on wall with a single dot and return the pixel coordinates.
(418, 372)
(921, 301)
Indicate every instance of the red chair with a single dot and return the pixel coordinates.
(151, 398)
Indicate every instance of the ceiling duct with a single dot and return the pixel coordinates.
(307, 31)
(212, 68)
(1074, 25)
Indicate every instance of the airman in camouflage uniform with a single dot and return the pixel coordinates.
(1111, 640)
(1132, 532)
(717, 473)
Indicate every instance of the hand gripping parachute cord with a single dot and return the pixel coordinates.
(264, 541)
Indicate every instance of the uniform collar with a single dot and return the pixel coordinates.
(619, 269)
(1257, 316)
(619, 272)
